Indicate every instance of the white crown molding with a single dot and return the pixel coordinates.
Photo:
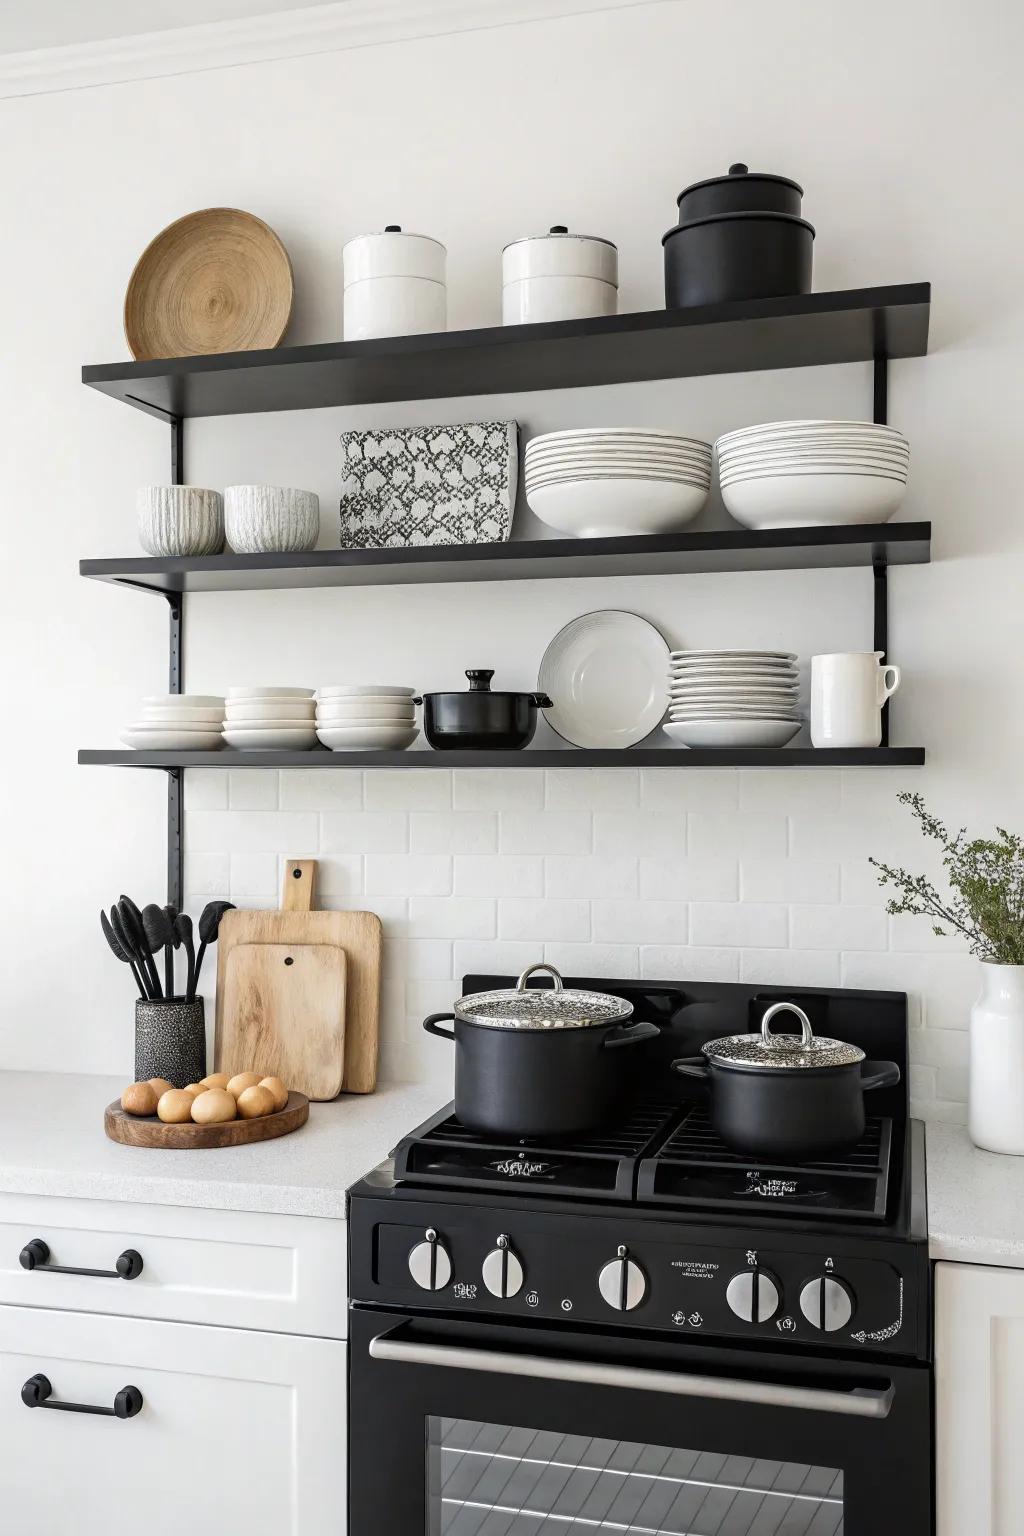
(283, 35)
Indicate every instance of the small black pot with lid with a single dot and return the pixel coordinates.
(739, 236)
(794, 1096)
(477, 719)
(539, 1061)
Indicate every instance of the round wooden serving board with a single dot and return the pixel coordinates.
(148, 1131)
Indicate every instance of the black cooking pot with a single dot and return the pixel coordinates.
(479, 718)
(728, 256)
(539, 1063)
(787, 1096)
(742, 191)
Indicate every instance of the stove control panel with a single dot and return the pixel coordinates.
(580, 1270)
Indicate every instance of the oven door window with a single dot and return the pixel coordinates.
(501, 1480)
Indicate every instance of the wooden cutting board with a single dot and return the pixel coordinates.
(284, 1012)
(357, 934)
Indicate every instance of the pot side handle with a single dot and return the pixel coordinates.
(879, 1074)
(432, 1025)
(692, 1066)
(629, 1034)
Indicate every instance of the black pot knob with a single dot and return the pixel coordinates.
(392, 229)
(559, 229)
(739, 169)
(480, 680)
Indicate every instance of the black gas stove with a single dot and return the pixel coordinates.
(583, 1278)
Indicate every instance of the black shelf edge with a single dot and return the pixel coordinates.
(542, 757)
(732, 549)
(806, 330)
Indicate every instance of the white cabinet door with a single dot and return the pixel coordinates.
(238, 1432)
(979, 1413)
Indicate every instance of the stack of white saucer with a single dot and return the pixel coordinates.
(177, 721)
(270, 719)
(731, 698)
(366, 717)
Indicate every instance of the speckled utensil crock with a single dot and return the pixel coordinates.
(180, 520)
(271, 519)
(170, 1040)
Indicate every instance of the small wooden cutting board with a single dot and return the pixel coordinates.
(256, 996)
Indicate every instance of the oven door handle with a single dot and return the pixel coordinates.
(858, 1402)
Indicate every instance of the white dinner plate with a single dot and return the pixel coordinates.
(810, 428)
(733, 733)
(171, 739)
(730, 654)
(698, 677)
(375, 737)
(268, 709)
(614, 434)
(270, 693)
(605, 672)
(365, 691)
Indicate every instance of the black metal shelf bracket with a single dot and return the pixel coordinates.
(176, 684)
(880, 566)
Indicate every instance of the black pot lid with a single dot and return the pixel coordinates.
(557, 1007)
(782, 1052)
(741, 172)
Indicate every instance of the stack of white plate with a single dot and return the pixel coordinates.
(732, 698)
(611, 482)
(811, 474)
(270, 719)
(366, 717)
(171, 721)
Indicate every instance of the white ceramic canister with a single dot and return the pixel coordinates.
(394, 285)
(848, 689)
(558, 276)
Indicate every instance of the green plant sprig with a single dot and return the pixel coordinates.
(986, 876)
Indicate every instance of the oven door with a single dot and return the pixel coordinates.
(463, 1429)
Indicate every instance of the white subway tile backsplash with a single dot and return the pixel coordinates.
(589, 875)
(508, 875)
(783, 790)
(419, 959)
(254, 875)
(668, 790)
(428, 789)
(859, 884)
(743, 835)
(294, 833)
(207, 871)
(806, 880)
(834, 927)
(206, 789)
(545, 832)
(252, 789)
(689, 879)
(494, 957)
(453, 832)
(685, 962)
(413, 874)
(641, 922)
(321, 789)
(789, 968)
(364, 832)
(498, 789)
(452, 917)
(613, 789)
(639, 834)
(340, 875)
(738, 925)
(527, 918)
(611, 960)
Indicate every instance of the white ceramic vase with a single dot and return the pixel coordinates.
(271, 519)
(996, 1100)
(180, 520)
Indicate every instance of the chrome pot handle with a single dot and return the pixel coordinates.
(806, 1032)
(531, 970)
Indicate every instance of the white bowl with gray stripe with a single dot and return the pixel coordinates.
(180, 520)
(271, 519)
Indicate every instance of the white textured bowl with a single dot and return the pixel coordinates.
(271, 519)
(813, 501)
(733, 733)
(157, 715)
(619, 434)
(186, 700)
(366, 709)
(170, 738)
(366, 691)
(367, 738)
(268, 738)
(823, 428)
(616, 508)
(244, 695)
(180, 520)
(264, 709)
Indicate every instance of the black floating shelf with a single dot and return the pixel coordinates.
(733, 549)
(541, 757)
(855, 325)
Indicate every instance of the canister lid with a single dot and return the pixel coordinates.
(393, 252)
(560, 253)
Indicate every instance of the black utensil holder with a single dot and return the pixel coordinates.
(170, 1040)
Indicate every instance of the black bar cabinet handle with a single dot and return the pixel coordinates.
(36, 1255)
(36, 1394)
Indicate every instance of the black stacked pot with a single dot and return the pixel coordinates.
(739, 236)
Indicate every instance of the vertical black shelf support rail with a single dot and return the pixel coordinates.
(176, 684)
(880, 568)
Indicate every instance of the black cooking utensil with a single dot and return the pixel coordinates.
(124, 932)
(209, 927)
(183, 928)
(134, 929)
(121, 953)
(171, 914)
(160, 934)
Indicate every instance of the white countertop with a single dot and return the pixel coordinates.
(52, 1143)
(975, 1201)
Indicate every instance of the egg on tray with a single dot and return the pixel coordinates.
(218, 1098)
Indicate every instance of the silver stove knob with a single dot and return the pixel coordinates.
(827, 1303)
(502, 1270)
(430, 1264)
(622, 1282)
(753, 1295)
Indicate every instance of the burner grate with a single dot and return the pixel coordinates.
(695, 1167)
(601, 1164)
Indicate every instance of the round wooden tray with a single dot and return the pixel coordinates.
(148, 1131)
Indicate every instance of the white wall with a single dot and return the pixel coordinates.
(903, 124)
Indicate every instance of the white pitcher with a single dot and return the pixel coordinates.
(848, 689)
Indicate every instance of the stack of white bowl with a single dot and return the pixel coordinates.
(732, 698)
(270, 719)
(366, 717)
(176, 721)
(812, 474)
(610, 482)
